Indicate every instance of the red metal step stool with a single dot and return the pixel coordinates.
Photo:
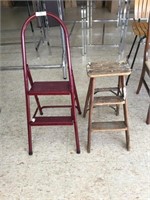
(49, 88)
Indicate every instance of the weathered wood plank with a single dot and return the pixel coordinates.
(109, 126)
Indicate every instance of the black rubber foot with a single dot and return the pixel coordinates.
(78, 152)
(30, 153)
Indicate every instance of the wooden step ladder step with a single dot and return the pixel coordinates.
(109, 126)
(52, 121)
(108, 100)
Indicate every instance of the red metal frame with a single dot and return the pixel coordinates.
(49, 88)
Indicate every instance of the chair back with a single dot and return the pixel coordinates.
(147, 44)
(141, 9)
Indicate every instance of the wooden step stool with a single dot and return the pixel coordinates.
(117, 98)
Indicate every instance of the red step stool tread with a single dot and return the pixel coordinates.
(53, 121)
(50, 88)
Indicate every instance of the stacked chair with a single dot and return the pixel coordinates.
(139, 27)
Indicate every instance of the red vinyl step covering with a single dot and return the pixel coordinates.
(54, 120)
(50, 88)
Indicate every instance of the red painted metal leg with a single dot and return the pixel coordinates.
(30, 140)
(76, 137)
(28, 124)
(76, 97)
(38, 105)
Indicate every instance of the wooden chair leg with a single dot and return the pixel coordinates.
(87, 99)
(125, 109)
(89, 140)
(118, 91)
(127, 140)
(91, 93)
(76, 137)
(148, 116)
(143, 81)
(127, 124)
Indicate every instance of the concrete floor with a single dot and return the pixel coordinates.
(55, 171)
